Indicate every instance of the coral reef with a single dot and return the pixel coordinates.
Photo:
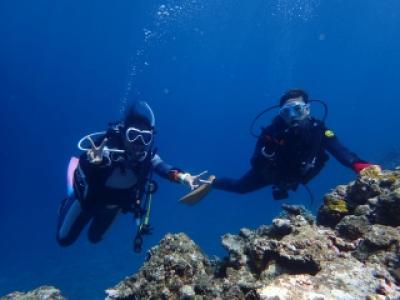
(351, 252)
(41, 293)
(374, 195)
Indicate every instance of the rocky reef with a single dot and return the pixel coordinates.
(41, 293)
(351, 251)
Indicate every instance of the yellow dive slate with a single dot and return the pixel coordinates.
(198, 194)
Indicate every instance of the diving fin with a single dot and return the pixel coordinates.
(198, 194)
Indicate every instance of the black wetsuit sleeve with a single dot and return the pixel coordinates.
(340, 152)
(258, 160)
(163, 169)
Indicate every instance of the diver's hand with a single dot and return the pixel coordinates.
(95, 155)
(193, 181)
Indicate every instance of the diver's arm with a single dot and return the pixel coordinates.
(165, 170)
(176, 175)
(340, 152)
(264, 150)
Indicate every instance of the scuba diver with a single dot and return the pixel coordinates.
(113, 176)
(291, 151)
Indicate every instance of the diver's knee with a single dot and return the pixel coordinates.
(241, 189)
(241, 192)
(64, 241)
(95, 240)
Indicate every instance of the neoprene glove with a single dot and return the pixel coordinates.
(359, 166)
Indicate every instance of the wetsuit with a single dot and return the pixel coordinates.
(288, 156)
(103, 191)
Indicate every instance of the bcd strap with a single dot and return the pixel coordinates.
(146, 187)
(318, 129)
(144, 226)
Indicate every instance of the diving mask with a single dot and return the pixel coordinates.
(294, 111)
(134, 135)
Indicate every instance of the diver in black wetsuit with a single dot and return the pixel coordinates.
(291, 151)
(114, 177)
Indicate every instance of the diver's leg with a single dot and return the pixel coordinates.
(103, 218)
(249, 182)
(71, 220)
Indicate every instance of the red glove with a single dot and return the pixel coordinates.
(359, 166)
(173, 175)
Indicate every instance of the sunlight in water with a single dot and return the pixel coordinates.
(177, 14)
(296, 9)
(172, 13)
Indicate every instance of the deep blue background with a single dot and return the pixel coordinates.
(206, 68)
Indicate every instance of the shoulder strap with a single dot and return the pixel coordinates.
(274, 133)
(146, 170)
(318, 131)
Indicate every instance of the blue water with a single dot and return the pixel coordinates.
(67, 68)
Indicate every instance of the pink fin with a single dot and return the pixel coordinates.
(73, 164)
